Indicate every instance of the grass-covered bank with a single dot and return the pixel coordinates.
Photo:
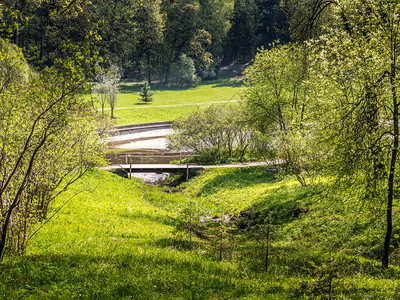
(121, 240)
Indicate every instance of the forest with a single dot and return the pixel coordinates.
(145, 38)
(317, 104)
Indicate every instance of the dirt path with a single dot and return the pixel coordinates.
(246, 164)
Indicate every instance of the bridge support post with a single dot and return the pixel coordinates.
(187, 170)
(130, 167)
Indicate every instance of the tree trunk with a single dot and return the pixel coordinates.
(267, 251)
(4, 231)
(171, 55)
(389, 209)
(148, 69)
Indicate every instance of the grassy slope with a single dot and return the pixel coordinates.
(183, 101)
(118, 241)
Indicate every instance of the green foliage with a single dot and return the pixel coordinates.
(355, 73)
(48, 139)
(119, 38)
(197, 51)
(186, 72)
(214, 133)
(146, 95)
(14, 68)
(108, 87)
(279, 106)
(242, 35)
(307, 19)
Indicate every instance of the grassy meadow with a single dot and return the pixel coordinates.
(209, 238)
(171, 103)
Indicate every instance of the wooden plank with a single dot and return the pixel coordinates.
(154, 168)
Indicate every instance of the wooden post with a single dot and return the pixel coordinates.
(130, 167)
(187, 169)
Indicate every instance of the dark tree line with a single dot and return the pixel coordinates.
(147, 37)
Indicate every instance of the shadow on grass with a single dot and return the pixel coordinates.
(129, 89)
(149, 274)
(280, 206)
(226, 83)
(136, 88)
(142, 103)
(238, 178)
(176, 243)
(161, 219)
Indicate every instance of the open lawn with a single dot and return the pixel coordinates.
(121, 239)
(171, 103)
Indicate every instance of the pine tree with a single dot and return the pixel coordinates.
(146, 94)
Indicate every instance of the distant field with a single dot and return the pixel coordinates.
(171, 103)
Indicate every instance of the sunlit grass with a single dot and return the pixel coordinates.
(118, 240)
(156, 114)
(181, 101)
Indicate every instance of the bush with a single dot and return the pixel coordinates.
(216, 133)
(186, 72)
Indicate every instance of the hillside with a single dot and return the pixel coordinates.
(206, 239)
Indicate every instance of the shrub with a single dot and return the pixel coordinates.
(215, 133)
(186, 72)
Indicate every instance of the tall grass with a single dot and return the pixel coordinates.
(120, 239)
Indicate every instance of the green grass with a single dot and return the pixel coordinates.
(171, 103)
(155, 114)
(120, 240)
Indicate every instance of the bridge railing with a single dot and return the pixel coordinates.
(185, 155)
(181, 156)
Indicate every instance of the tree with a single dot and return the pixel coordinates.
(278, 105)
(100, 89)
(307, 18)
(118, 30)
(107, 87)
(41, 27)
(146, 95)
(215, 18)
(271, 22)
(241, 42)
(356, 76)
(182, 20)
(186, 71)
(48, 140)
(150, 31)
(197, 51)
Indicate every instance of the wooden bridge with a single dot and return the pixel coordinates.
(155, 168)
(184, 169)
